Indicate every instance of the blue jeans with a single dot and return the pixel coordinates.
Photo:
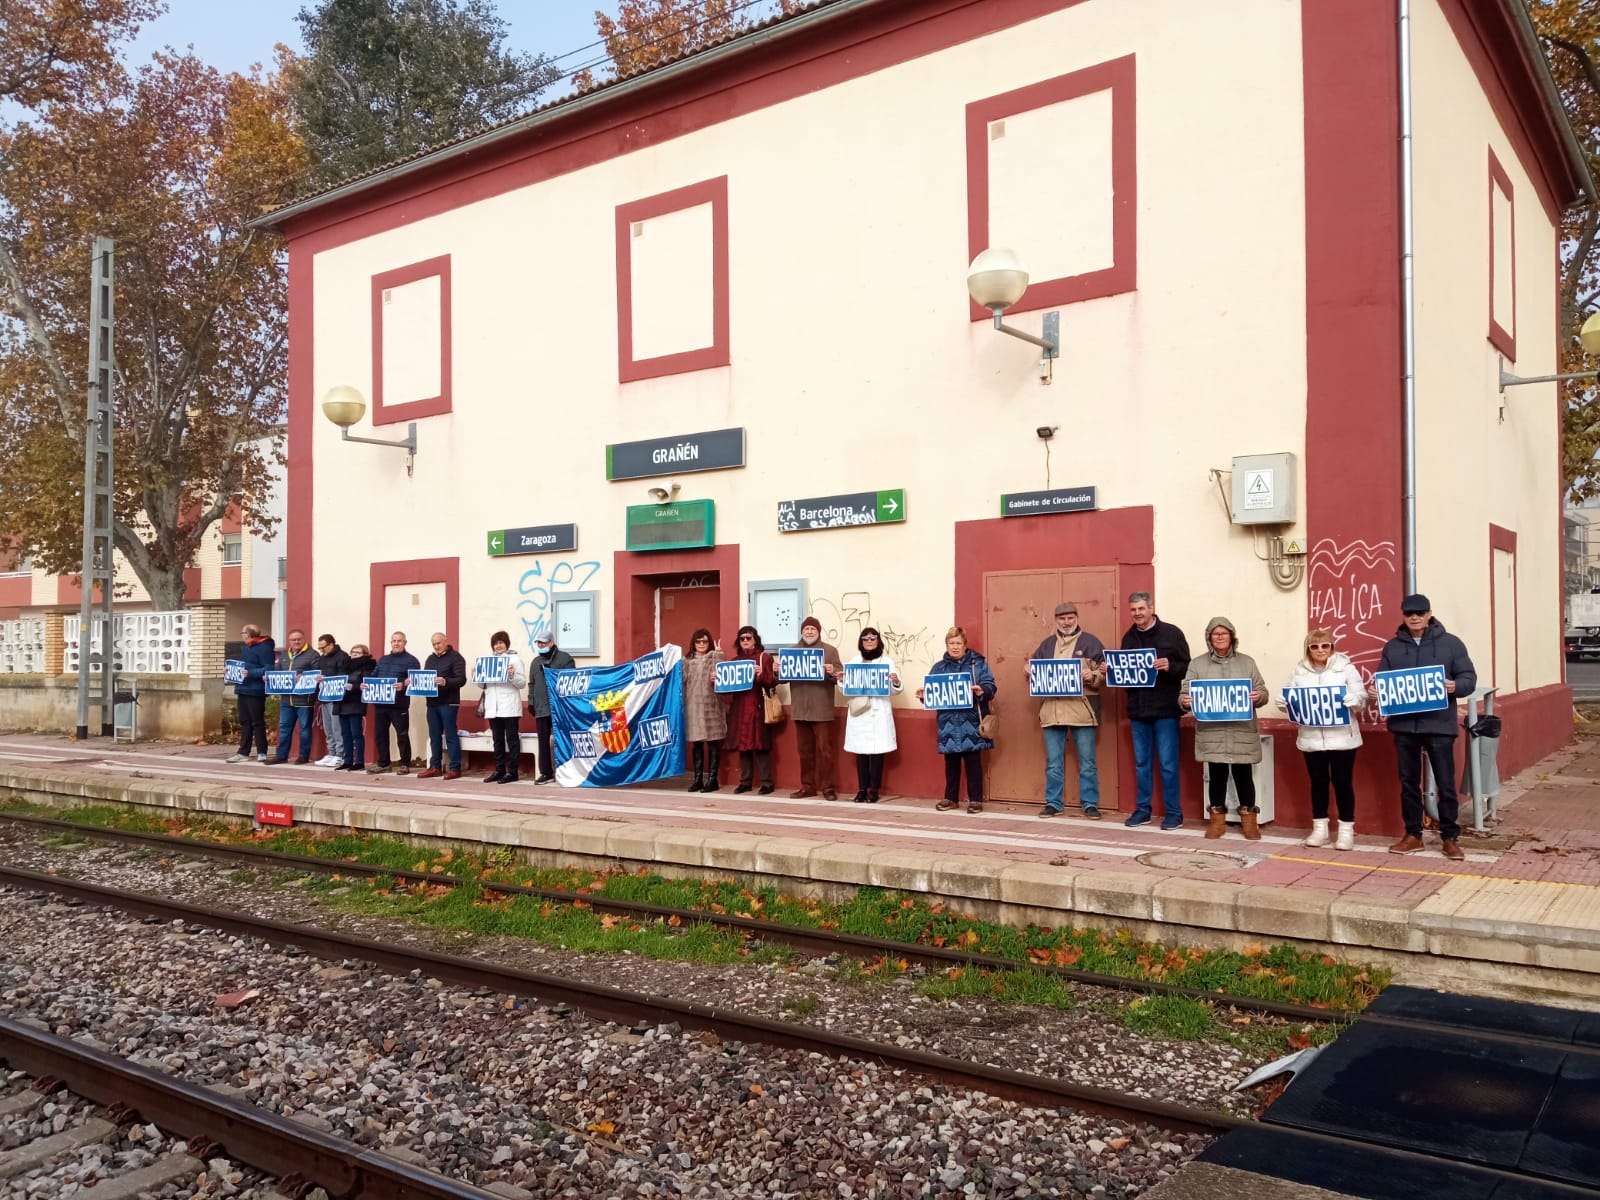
(1159, 737)
(290, 719)
(355, 739)
(442, 736)
(1055, 753)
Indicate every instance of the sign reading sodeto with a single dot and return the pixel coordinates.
(736, 675)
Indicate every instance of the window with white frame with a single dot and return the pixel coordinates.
(232, 549)
(776, 607)
(575, 621)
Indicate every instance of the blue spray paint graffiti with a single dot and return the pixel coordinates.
(535, 588)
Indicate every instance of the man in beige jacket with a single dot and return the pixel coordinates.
(811, 706)
(1077, 715)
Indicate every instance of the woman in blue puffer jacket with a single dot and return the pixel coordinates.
(961, 739)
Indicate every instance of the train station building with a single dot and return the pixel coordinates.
(696, 347)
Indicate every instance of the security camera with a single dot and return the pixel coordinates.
(1046, 432)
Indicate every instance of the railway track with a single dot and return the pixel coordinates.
(354, 1172)
(820, 943)
(214, 1124)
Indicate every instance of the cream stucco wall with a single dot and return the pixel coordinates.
(1474, 467)
(856, 365)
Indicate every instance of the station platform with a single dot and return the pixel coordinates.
(1521, 916)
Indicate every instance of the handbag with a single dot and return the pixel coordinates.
(772, 708)
(988, 725)
(860, 706)
(483, 705)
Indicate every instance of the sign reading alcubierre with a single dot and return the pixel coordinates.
(714, 450)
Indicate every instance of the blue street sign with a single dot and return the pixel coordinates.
(1320, 706)
(1055, 677)
(1220, 699)
(736, 675)
(866, 679)
(802, 664)
(1131, 668)
(950, 689)
(1411, 690)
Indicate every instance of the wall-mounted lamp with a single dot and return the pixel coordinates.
(1588, 338)
(996, 280)
(344, 406)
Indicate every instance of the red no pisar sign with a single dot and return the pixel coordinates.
(274, 814)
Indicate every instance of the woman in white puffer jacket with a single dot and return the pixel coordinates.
(1330, 750)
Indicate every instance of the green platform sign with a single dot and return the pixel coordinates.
(681, 525)
(837, 512)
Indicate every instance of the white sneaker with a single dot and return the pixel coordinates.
(235, 758)
(327, 760)
(1319, 832)
(1347, 836)
(336, 762)
(261, 758)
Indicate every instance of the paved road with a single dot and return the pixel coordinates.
(1585, 680)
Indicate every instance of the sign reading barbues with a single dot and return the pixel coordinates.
(715, 450)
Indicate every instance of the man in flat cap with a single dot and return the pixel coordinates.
(1078, 716)
(1421, 641)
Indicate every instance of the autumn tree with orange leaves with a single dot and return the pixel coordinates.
(646, 33)
(170, 162)
(1570, 30)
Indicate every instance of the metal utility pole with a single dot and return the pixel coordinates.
(98, 566)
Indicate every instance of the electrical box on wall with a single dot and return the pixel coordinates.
(1263, 489)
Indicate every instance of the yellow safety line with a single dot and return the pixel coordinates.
(1320, 862)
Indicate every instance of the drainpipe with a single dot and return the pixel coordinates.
(1408, 303)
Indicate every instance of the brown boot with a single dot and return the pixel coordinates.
(1248, 818)
(1409, 844)
(1219, 823)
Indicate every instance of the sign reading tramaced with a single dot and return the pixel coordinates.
(613, 726)
(711, 451)
(1220, 699)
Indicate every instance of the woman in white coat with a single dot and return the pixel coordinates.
(869, 729)
(502, 705)
(1330, 750)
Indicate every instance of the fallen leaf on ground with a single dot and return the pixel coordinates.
(235, 999)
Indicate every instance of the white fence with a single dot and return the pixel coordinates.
(22, 646)
(145, 643)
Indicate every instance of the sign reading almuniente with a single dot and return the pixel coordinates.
(1056, 500)
(835, 512)
(712, 451)
(532, 539)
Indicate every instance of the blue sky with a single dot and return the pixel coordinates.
(233, 35)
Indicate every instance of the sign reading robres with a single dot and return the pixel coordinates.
(715, 450)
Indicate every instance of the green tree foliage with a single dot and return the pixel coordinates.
(383, 79)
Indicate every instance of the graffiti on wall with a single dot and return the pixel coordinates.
(1347, 585)
(537, 586)
(912, 648)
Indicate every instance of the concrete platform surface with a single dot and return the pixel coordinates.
(1526, 900)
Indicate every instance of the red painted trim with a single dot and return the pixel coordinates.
(1505, 539)
(636, 574)
(1353, 351)
(232, 583)
(193, 585)
(302, 409)
(69, 589)
(848, 47)
(417, 570)
(1487, 33)
(1117, 76)
(715, 193)
(16, 591)
(1500, 338)
(428, 406)
(230, 520)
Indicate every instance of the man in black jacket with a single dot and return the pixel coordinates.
(1153, 712)
(450, 676)
(332, 660)
(547, 656)
(1421, 641)
(397, 665)
(295, 712)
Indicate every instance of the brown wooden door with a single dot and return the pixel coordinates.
(682, 610)
(1018, 613)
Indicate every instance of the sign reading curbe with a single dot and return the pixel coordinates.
(1319, 706)
(1056, 500)
(532, 539)
(712, 451)
(837, 512)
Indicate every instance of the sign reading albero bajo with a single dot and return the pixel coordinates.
(715, 450)
(681, 525)
(1056, 500)
(837, 512)
(532, 539)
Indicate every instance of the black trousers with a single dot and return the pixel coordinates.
(546, 766)
(253, 723)
(869, 772)
(1441, 751)
(1244, 782)
(970, 761)
(398, 718)
(753, 761)
(507, 744)
(1337, 766)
